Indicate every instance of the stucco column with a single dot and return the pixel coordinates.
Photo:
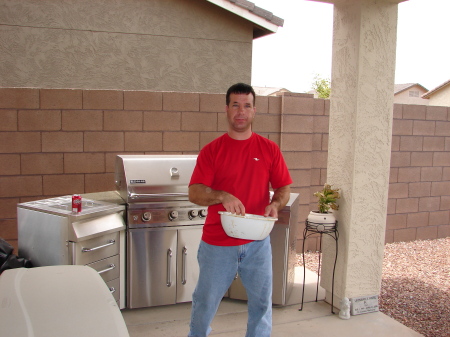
(359, 151)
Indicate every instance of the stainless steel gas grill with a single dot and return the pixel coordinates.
(163, 228)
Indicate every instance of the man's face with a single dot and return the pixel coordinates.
(240, 112)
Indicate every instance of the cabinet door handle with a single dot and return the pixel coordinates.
(112, 290)
(169, 265)
(184, 258)
(111, 267)
(110, 243)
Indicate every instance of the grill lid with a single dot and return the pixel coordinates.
(146, 178)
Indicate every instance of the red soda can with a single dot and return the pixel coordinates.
(76, 203)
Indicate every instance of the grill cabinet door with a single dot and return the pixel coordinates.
(187, 266)
(151, 267)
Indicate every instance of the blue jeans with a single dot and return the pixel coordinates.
(218, 267)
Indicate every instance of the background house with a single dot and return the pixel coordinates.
(409, 93)
(269, 91)
(159, 45)
(440, 95)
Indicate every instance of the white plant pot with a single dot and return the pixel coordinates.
(321, 221)
(321, 218)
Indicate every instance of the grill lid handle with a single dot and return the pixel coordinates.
(154, 195)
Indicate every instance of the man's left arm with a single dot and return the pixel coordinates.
(279, 200)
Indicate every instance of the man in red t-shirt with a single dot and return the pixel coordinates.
(233, 173)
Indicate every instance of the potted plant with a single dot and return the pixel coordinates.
(327, 199)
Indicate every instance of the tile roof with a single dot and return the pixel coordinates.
(433, 91)
(251, 7)
(264, 22)
(398, 88)
(267, 91)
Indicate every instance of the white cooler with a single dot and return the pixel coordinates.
(66, 300)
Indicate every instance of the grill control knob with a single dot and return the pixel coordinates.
(146, 216)
(193, 214)
(173, 215)
(203, 213)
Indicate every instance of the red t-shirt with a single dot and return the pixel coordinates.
(243, 168)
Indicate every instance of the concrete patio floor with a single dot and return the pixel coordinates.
(315, 320)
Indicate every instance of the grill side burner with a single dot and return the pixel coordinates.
(163, 228)
(51, 234)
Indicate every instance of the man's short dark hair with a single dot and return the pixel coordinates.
(240, 88)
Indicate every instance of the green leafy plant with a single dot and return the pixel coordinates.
(322, 86)
(327, 198)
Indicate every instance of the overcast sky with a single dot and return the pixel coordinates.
(300, 49)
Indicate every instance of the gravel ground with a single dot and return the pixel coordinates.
(415, 285)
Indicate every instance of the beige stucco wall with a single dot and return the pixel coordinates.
(160, 45)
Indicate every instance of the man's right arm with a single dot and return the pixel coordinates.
(205, 196)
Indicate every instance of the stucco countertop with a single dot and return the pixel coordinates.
(107, 196)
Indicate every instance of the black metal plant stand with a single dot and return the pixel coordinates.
(330, 230)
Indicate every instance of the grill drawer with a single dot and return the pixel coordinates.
(86, 252)
(113, 287)
(107, 268)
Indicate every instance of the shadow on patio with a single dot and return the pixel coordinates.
(316, 319)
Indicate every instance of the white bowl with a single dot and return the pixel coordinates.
(249, 226)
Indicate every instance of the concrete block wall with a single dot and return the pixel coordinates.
(419, 190)
(63, 141)
(304, 142)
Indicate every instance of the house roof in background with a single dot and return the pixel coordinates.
(265, 22)
(433, 91)
(346, 2)
(267, 91)
(398, 88)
